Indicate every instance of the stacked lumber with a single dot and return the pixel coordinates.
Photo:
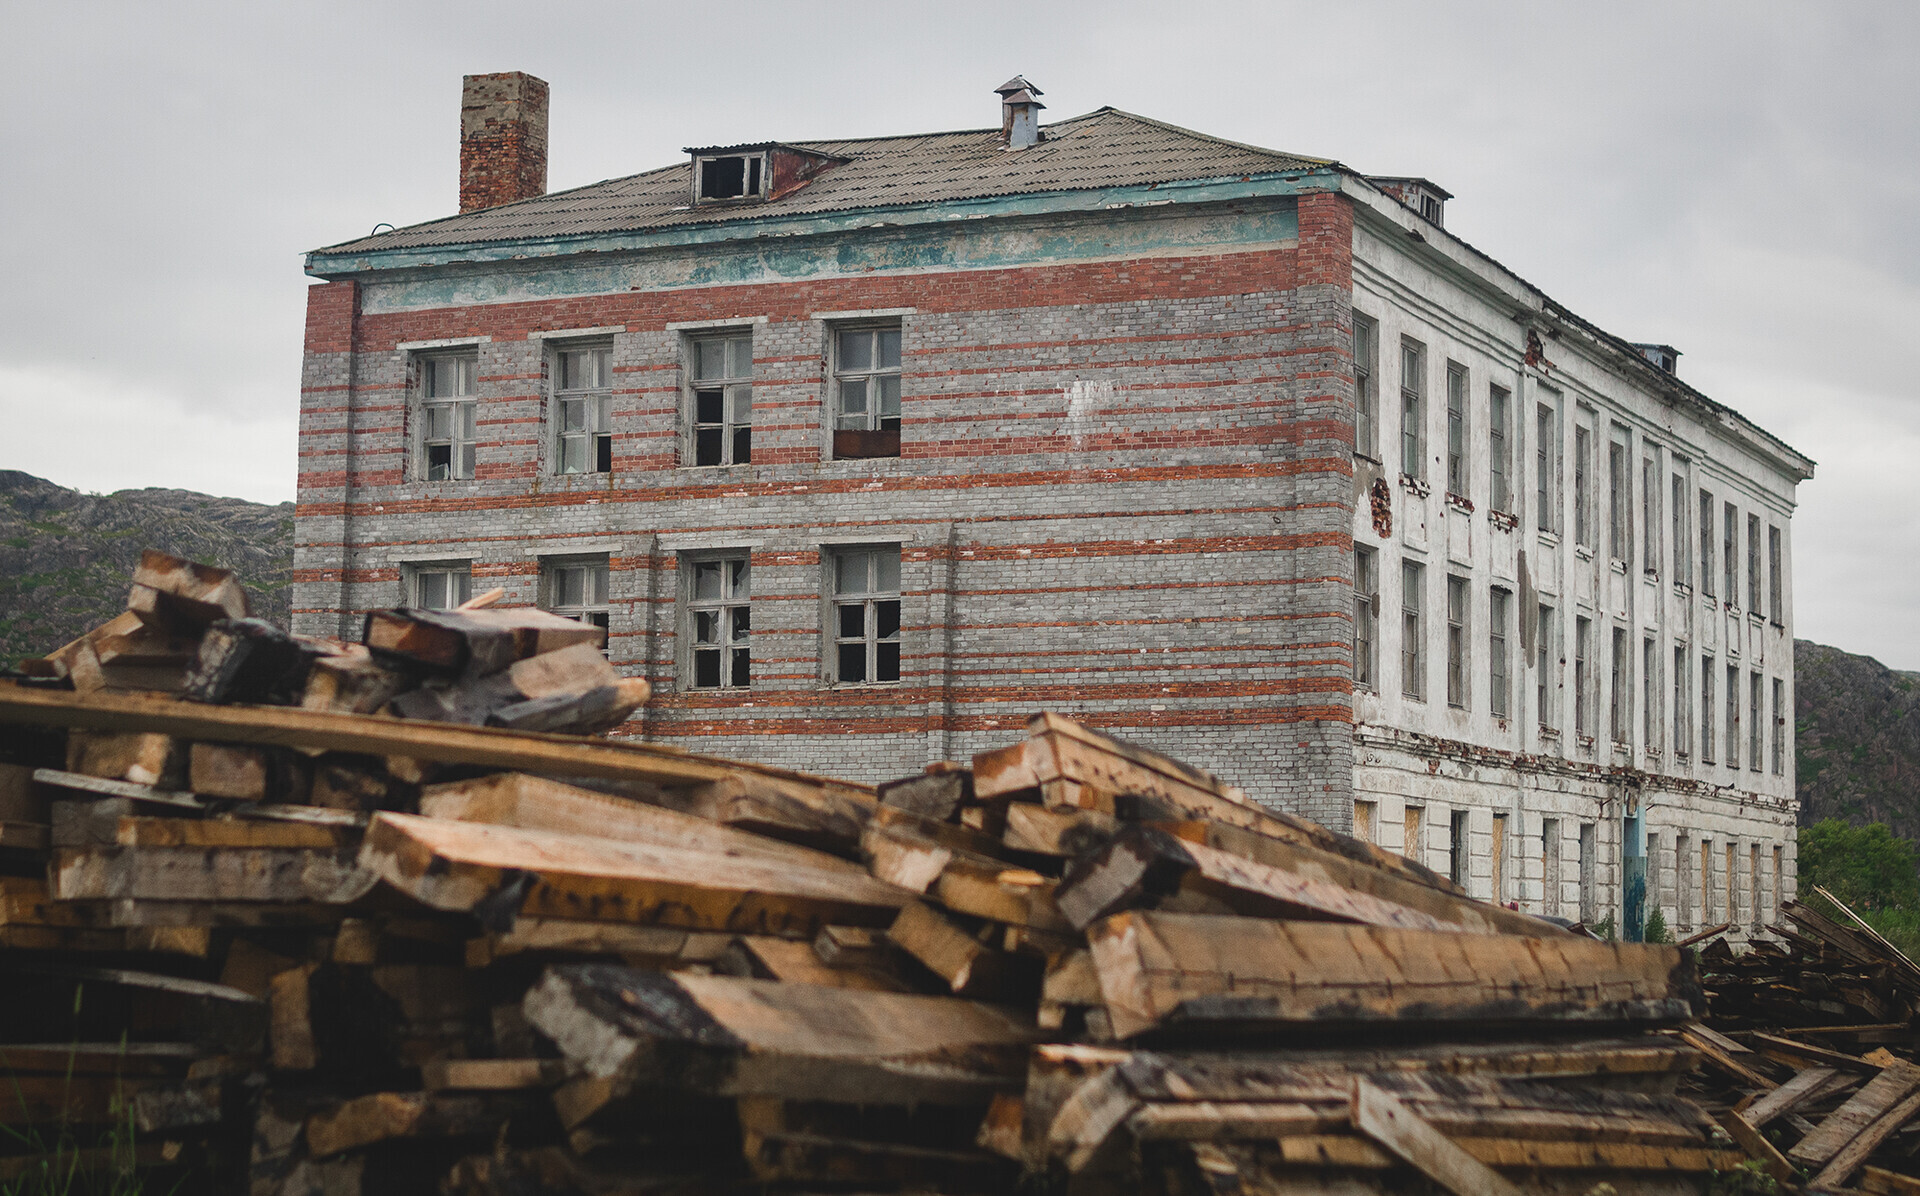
(366, 921)
(1812, 1052)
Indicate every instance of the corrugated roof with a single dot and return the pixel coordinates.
(1106, 148)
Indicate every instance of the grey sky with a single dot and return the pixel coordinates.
(1741, 180)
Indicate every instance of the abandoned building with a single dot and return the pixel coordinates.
(1234, 452)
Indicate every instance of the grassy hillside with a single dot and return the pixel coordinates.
(66, 557)
(1858, 735)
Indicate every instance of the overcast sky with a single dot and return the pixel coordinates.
(1741, 180)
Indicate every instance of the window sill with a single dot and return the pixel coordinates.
(1460, 502)
(1682, 590)
(1367, 457)
(1583, 552)
(1617, 565)
(1585, 743)
(1415, 485)
(1622, 749)
(1547, 732)
(1420, 698)
(1548, 538)
(1756, 620)
(1502, 520)
(861, 684)
(1651, 576)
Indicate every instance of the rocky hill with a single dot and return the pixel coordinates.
(1858, 736)
(65, 557)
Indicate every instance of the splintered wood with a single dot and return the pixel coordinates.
(360, 920)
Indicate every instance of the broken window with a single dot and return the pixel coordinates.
(1617, 497)
(1547, 467)
(1733, 716)
(1366, 600)
(866, 382)
(1498, 600)
(1366, 387)
(1413, 408)
(1776, 595)
(1779, 727)
(719, 622)
(1706, 709)
(1620, 709)
(440, 585)
(1729, 559)
(583, 399)
(576, 587)
(731, 176)
(1413, 660)
(1456, 641)
(447, 388)
(1499, 462)
(1754, 709)
(1582, 677)
(1458, 847)
(1546, 661)
(1753, 564)
(1682, 567)
(1650, 515)
(1456, 428)
(1583, 487)
(866, 614)
(723, 400)
(1651, 713)
(1706, 543)
(1682, 702)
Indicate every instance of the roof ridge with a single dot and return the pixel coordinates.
(1199, 136)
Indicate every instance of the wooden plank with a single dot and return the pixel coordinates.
(936, 794)
(1330, 867)
(1882, 1182)
(730, 1037)
(1805, 1054)
(200, 874)
(490, 1075)
(794, 962)
(128, 753)
(1855, 1153)
(1014, 896)
(1703, 935)
(538, 804)
(1209, 1120)
(1141, 867)
(1723, 1060)
(224, 770)
(380, 735)
(1380, 1117)
(186, 590)
(1751, 1140)
(1788, 1096)
(382, 1116)
(564, 936)
(970, 968)
(1001, 1129)
(459, 865)
(1063, 833)
(1328, 1150)
(1182, 969)
(90, 786)
(1847, 1122)
(231, 832)
(24, 836)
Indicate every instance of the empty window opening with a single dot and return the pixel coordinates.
(1733, 716)
(1589, 867)
(1779, 727)
(1682, 702)
(1682, 541)
(1620, 710)
(1753, 565)
(447, 388)
(719, 611)
(732, 176)
(1458, 846)
(723, 401)
(1650, 516)
(1729, 558)
(1706, 710)
(584, 396)
(866, 380)
(1754, 696)
(1547, 467)
(1776, 595)
(1551, 898)
(866, 610)
(1652, 711)
(1618, 485)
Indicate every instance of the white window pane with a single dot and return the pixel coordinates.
(566, 586)
(573, 415)
(603, 413)
(436, 423)
(738, 578)
(433, 590)
(597, 584)
(889, 387)
(461, 588)
(467, 375)
(740, 404)
(439, 377)
(851, 577)
(853, 397)
(886, 570)
(603, 367)
(709, 359)
(466, 460)
(856, 350)
(740, 353)
(889, 356)
(573, 455)
(466, 421)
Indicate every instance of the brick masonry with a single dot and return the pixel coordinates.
(1125, 492)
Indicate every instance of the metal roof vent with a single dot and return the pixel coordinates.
(1019, 112)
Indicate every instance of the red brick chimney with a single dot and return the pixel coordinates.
(503, 139)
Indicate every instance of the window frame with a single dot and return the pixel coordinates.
(1582, 676)
(1366, 386)
(1730, 557)
(756, 177)
(1779, 727)
(1619, 501)
(1583, 486)
(462, 437)
(728, 608)
(1756, 707)
(1709, 709)
(1457, 391)
(1620, 694)
(1366, 629)
(1499, 449)
(1413, 408)
(1776, 593)
(1682, 701)
(1413, 655)
(1499, 638)
(1546, 417)
(1682, 529)
(1650, 531)
(1652, 696)
(1753, 565)
(1706, 543)
(732, 387)
(414, 575)
(596, 432)
(874, 440)
(598, 612)
(1547, 662)
(872, 601)
(1459, 609)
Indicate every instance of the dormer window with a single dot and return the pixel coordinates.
(730, 176)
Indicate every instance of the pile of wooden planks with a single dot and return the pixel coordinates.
(1811, 1047)
(303, 947)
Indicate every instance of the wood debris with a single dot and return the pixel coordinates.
(355, 918)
